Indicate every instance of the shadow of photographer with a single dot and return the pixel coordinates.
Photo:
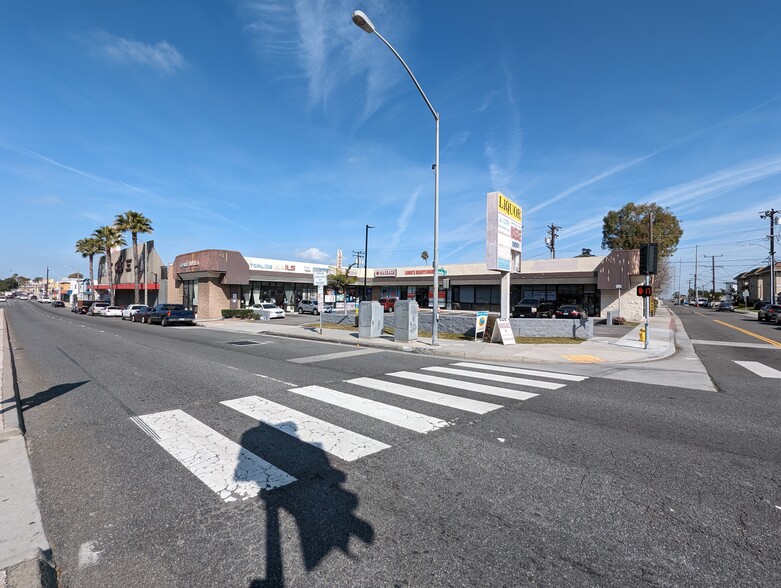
(323, 509)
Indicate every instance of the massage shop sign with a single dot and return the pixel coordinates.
(503, 219)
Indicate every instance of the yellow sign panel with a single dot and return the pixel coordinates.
(509, 207)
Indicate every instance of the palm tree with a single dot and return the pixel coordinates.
(424, 256)
(134, 223)
(89, 247)
(340, 281)
(109, 237)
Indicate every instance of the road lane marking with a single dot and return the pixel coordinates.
(495, 377)
(342, 443)
(760, 369)
(329, 356)
(522, 371)
(414, 421)
(223, 465)
(461, 385)
(760, 337)
(733, 344)
(457, 402)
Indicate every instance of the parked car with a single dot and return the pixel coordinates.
(141, 315)
(388, 304)
(44, 300)
(111, 311)
(131, 309)
(81, 306)
(760, 303)
(269, 310)
(768, 312)
(95, 308)
(533, 308)
(2, 298)
(58, 303)
(726, 306)
(572, 311)
(168, 314)
(309, 306)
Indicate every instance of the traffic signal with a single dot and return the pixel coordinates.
(643, 290)
(648, 258)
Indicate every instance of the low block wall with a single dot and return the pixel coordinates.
(465, 325)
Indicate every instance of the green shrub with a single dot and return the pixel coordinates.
(242, 313)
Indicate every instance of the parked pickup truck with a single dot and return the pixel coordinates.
(533, 308)
(169, 314)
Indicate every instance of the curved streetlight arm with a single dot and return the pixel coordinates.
(411, 75)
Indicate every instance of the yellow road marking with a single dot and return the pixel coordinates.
(583, 358)
(760, 337)
(699, 313)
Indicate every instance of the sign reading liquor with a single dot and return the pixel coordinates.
(503, 231)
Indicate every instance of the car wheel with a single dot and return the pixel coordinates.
(300, 310)
(164, 322)
(315, 312)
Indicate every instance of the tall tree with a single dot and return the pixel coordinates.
(424, 256)
(628, 228)
(134, 223)
(109, 237)
(341, 279)
(89, 247)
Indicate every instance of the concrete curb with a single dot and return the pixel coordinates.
(25, 554)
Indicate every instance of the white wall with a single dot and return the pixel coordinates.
(631, 303)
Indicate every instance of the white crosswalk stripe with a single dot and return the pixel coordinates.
(457, 402)
(760, 369)
(235, 473)
(471, 386)
(331, 438)
(521, 371)
(496, 377)
(400, 417)
(224, 466)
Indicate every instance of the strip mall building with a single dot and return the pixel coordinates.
(213, 279)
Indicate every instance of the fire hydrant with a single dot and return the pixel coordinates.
(642, 335)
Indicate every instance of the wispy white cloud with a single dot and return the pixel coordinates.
(162, 56)
(458, 139)
(487, 101)
(312, 254)
(315, 40)
(504, 156)
(402, 223)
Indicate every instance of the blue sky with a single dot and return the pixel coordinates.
(279, 129)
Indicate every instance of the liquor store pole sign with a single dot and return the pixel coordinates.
(503, 233)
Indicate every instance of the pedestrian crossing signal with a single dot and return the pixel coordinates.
(643, 290)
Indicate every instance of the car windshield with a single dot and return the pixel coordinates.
(269, 305)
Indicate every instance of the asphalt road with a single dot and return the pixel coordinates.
(599, 482)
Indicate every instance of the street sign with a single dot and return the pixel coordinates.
(320, 275)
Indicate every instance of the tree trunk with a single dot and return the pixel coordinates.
(91, 278)
(110, 276)
(135, 268)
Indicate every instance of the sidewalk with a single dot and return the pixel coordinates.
(25, 556)
(626, 349)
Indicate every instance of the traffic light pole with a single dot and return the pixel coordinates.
(647, 310)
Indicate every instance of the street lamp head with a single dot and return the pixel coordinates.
(362, 21)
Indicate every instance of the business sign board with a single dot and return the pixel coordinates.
(385, 273)
(480, 321)
(503, 233)
(320, 276)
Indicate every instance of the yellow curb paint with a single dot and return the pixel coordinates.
(583, 358)
(760, 337)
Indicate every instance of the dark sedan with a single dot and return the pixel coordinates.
(140, 316)
(571, 311)
(727, 306)
(769, 312)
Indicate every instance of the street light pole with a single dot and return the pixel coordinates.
(366, 260)
(362, 21)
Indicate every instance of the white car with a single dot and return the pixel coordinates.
(111, 311)
(96, 307)
(45, 300)
(132, 309)
(268, 311)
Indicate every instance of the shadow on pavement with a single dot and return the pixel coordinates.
(323, 509)
(50, 394)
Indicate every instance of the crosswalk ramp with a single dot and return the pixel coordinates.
(235, 473)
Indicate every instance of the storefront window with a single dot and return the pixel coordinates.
(190, 294)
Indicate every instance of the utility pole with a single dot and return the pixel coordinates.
(550, 241)
(46, 287)
(696, 258)
(713, 270)
(358, 256)
(771, 214)
(680, 270)
(366, 262)
(689, 288)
